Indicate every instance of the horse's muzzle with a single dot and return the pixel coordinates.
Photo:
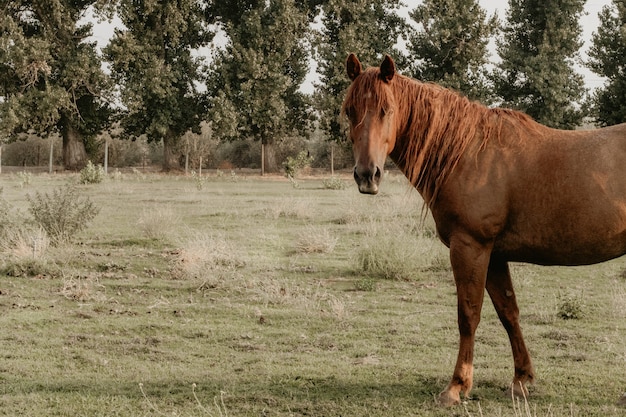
(368, 179)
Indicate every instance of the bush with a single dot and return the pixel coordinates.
(62, 214)
(570, 307)
(294, 165)
(91, 174)
(334, 183)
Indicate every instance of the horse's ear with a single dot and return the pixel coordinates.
(387, 69)
(353, 66)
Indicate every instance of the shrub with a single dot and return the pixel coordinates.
(91, 174)
(570, 307)
(334, 183)
(62, 214)
(294, 165)
(26, 178)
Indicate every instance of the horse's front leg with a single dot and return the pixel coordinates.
(470, 260)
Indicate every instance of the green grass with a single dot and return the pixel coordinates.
(249, 297)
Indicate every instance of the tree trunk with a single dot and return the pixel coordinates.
(74, 154)
(169, 159)
(270, 164)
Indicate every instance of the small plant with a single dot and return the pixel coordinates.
(294, 165)
(334, 183)
(199, 180)
(62, 214)
(294, 182)
(570, 307)
(365, 284)
(25, 178)
(91, 174)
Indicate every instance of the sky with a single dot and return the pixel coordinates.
(589, 22)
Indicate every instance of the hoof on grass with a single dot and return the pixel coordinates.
(517, 390)
(448, 398)
(622, 401)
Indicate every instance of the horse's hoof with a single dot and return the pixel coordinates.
(448, 399)
(517, 390)
(622, 401)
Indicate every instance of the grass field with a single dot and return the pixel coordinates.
(235, 296)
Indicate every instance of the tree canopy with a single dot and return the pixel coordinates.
(369, 28)
(255, 80)
(50, 76)
(607, 58)
(451, 44)
(153, 63)
(538, 51)
(160, 86)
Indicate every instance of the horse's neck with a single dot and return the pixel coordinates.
(434, 128)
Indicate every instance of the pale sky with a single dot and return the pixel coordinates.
(103, 31)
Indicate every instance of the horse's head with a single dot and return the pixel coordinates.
(370, 107)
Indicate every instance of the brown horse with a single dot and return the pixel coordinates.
(500, 187)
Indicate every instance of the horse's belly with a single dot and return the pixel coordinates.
(572, 245)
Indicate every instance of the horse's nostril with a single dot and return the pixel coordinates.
(378, 174)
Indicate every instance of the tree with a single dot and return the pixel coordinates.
(369, 28)
(151, 60)
(255, 79)
(538, 51)
(50, 76)
(607, 57)
(450, 47)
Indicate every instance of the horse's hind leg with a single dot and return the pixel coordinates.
(500, 289)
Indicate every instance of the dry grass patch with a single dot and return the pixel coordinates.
(202, 254)
(158, 222)
(25, 243)
(316, 239)
(82, 289)
(393, 252)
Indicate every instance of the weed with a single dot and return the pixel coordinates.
(293, 166)
(25, 178)
(199, 180)
(293, 181)
(63, 213)
(91, 174)
(365, 284)
(334, 183)
(570, 307)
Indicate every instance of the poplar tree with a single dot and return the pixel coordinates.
(255, 80)
(607, 58)
(50, 75)
(368, 28)
(450, 45)
(153, 63)
(539, 50)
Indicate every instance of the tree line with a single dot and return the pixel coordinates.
(152, 81)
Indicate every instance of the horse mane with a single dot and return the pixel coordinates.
(438, 125)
